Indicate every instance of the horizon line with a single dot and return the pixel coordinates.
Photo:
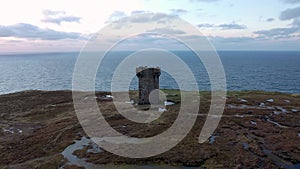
(61, 52)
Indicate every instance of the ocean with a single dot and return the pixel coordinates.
(245, 70)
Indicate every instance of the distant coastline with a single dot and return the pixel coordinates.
(77, 52)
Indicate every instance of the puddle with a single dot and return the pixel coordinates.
(212, 139)
(279, 161)
(106, 97)
(294, 110)
(109, 96)
(262, 104)
(242, 100)
(276, 112)
(298, 134)
(232, 106)
(79, 144)
(238, 115)
(253, 122)
(245, 145)
(277, 124)
(227, 116)
(281, 109)
(74, 160)
(12, 130)
(270, 100)
(287, 101)
(168, 103)
(118, 127)
(130, 102)
(8, 130)
(118, 140)
(94, 148)
(161, 109)
(296, 166)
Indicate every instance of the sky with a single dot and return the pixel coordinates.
(62, 26)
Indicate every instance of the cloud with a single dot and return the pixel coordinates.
(136, 16)
(136, 12)
(290, 14)
(270, 19)
(145, 18)
(157, 17)
(254, 43)
(116, 15)
(23, 30)
(149, 40)
(206, 25)
(291, 1)
(57, 17)
(178, 11)
(204, 1)
(223, 26)
(53, 13)
(59, 20)
(139, 17)
(220, 39)
(232, 26)
(221, 43)
(296, 22)
(166, 31)
(284, 33)
(278, 33)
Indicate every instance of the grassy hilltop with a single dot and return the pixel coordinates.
(258, 130)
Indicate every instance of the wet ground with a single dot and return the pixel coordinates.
(39, 129)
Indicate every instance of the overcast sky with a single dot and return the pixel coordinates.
(56, 26)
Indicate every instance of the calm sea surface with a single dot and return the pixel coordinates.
(269, 71)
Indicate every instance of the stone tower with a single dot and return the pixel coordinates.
(148, 81)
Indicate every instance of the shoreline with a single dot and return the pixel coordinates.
(98, 91)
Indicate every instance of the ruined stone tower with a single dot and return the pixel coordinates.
(148, 81)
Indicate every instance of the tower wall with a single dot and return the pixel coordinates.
(148, 81)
